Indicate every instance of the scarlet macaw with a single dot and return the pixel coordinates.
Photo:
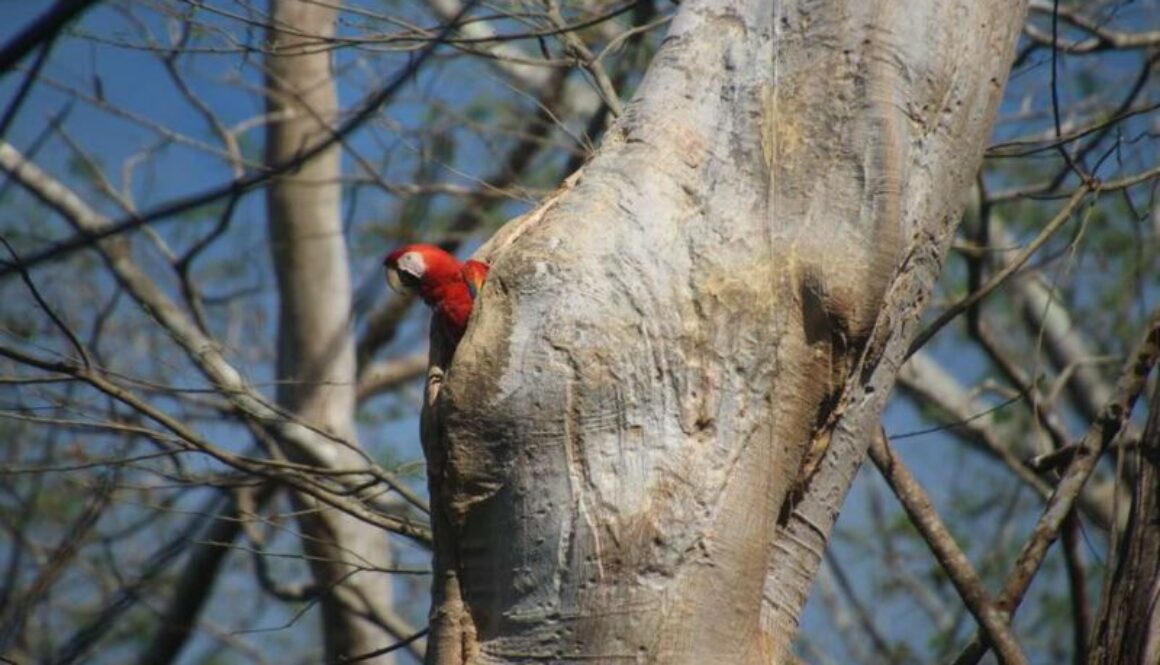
(446, 285)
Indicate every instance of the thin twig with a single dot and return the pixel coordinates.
(36, 295)
(588, 60)
(1044, 235)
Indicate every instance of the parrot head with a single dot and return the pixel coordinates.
(446, 285)
(416, 268)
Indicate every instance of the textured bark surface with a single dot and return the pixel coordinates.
(1128, 630)
(661, 347)
(316, 360)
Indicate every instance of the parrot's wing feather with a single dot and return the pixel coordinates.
(474, 273)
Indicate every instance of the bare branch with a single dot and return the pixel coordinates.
(925, 380)
(1102, 432)
(44, 28)
(923, 515)
(997, 280)
(1103, 38)
(202, 350)
(170, 210)
(588, 60)
(388, 375)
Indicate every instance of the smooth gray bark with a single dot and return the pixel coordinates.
(316, 360)
(711, 311)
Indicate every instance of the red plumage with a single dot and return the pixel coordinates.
(448, 286)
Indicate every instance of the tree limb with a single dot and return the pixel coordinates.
(1101, 433)
(924, 517)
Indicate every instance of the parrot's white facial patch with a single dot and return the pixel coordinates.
(407, 272)
(413, 264)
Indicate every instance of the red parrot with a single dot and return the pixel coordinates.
(446, 285)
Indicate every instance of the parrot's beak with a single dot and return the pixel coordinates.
(395, 281)
(402, 281)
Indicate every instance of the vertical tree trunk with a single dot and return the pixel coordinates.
(663, 348)
(1128, 629)
(316, 360)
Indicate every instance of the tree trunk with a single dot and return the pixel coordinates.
(1128, 630)
(316, 361)
(713, 309)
